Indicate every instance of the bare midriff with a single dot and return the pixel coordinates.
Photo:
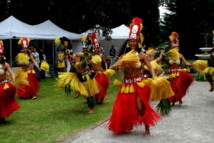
(97, 67)
(3, 77)
(132, 72)
(174, 66)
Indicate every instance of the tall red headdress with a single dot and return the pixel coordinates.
(1, 47)
(94, 40)
(135, 31)
(24, 42)
(173, 40)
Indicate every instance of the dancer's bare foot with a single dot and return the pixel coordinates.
(91, 111)
(147, 131)
(77, 95)
(34, 97)
(173, 104)
(180, 102)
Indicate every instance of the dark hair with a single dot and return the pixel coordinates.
(125, 49)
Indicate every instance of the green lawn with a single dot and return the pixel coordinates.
(53, 116)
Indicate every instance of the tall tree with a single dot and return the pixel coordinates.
(191, 19)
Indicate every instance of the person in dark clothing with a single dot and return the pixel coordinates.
(42, 57)
(112, 54)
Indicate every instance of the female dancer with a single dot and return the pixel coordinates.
(181, 79)
(8, 102)
(80, 78)
(132, 105)
(96, 65)
(26, 61)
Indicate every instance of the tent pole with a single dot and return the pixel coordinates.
(53, 47)
(11, 53)
(43, 44)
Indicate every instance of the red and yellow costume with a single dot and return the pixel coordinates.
(23, 59)
(101, 75)
(181, 78)
(125, 112)
(8, 102)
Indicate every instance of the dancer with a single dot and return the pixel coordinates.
(96, 65)
(26, 61)
(207, 68)
(8, 102)
(132, 105)
(180, 78)
(80, 78)
(209, 71)
(162, 85)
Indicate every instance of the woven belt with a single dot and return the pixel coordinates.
(173, 70)
(29, 68)
(135, 79)
(86, 72)
(5, 81)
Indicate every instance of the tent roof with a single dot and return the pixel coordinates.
(14, 28)
(120, 32)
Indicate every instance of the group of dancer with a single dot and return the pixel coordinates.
(89, 73)
(156, 75)
(88, 77)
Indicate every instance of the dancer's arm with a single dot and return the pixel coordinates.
(10, 71)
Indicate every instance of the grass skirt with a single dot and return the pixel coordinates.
(103, 84)
(180, 85)
(125, 113)
(8, 102)
(31, 90)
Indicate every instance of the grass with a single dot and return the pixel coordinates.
(53, 116)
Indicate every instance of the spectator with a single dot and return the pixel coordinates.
(36, 58)
(112, 54)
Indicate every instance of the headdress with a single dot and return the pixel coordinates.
(173, 40)
(1, 47)
(84, 41)
(135, 31)
(24, 42)
(94, 40)
(63, 41)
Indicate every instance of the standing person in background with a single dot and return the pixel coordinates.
(42, 57)
(44, 66)
(112, 54)
(36, 57)
(25, 60)
(67, 56)
(61, 65)
(8, 102)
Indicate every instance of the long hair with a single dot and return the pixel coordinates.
(125, 49)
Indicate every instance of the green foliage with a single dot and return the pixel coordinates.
(199, 77)
(164, 106)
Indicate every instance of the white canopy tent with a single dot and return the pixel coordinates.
(12, 28)
(118, 37)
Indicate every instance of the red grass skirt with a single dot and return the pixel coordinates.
(180, 85)
(8, 102)
(103, 84)
(31, 90)
(125, 114)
